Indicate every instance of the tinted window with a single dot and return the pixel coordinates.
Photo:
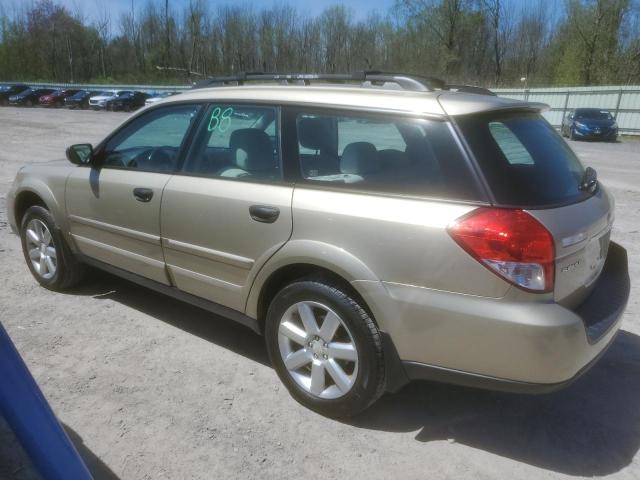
(593, 114)
(152, 141)
(524, 159)
(392, 154)
(236, 141)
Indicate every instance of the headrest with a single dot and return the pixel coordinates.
(252, 150)
(315, 133)
(422, 155)
(360, 158)
(392, 159)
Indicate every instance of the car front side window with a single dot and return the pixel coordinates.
(152, 141)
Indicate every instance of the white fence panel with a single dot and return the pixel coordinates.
(622, 101)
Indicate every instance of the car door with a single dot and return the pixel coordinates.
(228, 209)
(114, 205)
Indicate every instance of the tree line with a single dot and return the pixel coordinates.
(483, 42)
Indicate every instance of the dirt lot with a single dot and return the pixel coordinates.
(149, 387)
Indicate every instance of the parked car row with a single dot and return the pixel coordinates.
(116, 100)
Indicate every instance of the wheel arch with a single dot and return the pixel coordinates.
(315, 259)
(24, 200)
(36, 191)
(300, 271)
(305, 258)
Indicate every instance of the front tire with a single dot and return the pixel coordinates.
(47, 255)
(325, 348)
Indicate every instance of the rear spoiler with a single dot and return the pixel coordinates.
(462, 103)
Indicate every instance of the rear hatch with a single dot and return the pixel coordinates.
(527, 165)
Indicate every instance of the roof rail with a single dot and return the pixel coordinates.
(470, 89)
(405, 81)
(415, 83)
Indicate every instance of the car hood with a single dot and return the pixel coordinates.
(594, 122)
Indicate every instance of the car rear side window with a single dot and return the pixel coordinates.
(382, 153)
(524, 160)
(236, 141)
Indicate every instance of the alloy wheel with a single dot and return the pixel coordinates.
(318, 350)
(41, 249)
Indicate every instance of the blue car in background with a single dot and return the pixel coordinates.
(26, 411)
(590, 124)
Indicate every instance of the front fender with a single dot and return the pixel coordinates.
(48, 183)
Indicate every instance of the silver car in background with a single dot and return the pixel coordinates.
(374, 236)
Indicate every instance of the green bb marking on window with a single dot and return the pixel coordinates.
(220, 119)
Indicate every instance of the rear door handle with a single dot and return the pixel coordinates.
(264, 213)
(143, 194)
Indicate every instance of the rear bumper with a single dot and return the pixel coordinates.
(504, 344)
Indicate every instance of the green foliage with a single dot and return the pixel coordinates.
(487, 42)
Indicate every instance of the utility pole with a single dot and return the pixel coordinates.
(166, 32)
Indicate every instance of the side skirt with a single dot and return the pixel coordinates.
(173, 292)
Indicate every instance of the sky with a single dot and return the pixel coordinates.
(360, 8)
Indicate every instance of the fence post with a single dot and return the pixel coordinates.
(566, 103)
(615, 116)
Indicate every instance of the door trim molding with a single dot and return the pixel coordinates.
(208, 253)
(127, 232)
(215, 282)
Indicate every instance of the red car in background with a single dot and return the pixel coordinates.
(56, 98)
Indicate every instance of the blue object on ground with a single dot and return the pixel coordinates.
(27, 412)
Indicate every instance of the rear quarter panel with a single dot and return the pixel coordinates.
(382, 239)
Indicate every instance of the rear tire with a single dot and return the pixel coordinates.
(48, 256)
(335, 368)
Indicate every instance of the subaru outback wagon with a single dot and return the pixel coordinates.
(373, 235)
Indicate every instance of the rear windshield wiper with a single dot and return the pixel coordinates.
(589, 180)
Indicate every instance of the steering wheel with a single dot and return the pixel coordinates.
(161, 158)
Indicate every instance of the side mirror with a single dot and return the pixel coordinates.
(80, 154)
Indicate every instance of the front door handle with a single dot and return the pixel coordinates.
(264, 213)
(143, 194)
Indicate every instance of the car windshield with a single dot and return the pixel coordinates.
(593, 115)
(27, 91)
(524, 160)
(104, 94)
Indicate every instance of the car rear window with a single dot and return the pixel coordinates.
(386, 154)
(524, 160)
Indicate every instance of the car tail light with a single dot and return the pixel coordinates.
(510, 243)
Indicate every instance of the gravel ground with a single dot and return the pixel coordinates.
(149, 387)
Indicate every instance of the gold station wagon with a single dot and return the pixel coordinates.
(375, 228)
